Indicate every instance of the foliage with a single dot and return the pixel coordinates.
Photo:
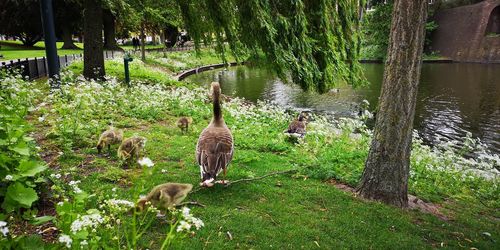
(105, 221)
(86, 187)
(21, 19)
(315, 43)
(138, 71)
(179, 61)
(376, 27)
(20, 167)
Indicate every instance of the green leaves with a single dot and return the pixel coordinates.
(20, 170)
(313, 43)
(19, 196)
(21, 149)
(41, 220)
(30, 168)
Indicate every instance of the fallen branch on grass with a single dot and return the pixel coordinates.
(252, 179)
(195, 203)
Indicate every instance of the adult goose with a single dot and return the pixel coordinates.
(297, 127)
(215, 147)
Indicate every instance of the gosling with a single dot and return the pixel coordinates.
(184, 123)
(109, 137)
(165, 196)
(131, 148)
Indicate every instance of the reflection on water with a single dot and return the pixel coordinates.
(452, 98)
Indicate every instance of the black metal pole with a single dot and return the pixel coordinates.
(49, 35)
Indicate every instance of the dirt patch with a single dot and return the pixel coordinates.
(414, 203)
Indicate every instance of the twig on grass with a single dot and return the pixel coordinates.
(195, 203)
(252, 179)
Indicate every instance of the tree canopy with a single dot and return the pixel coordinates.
(21, 19)
(313, 43)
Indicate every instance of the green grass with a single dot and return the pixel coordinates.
(138, 71)
(290, 211)
(148, 46)
(296, 214)
(15, 50)
(179, 61)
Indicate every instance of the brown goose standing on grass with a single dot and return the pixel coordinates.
(215, 147)
(298, 126)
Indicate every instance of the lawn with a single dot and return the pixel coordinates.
(301, 209)
(15, 50)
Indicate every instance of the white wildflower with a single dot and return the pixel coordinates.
(77, 190)
(73, 183)
(164, 171)
(145, 161)
(65, 239)
(186, 212)
(84, 243)
(3, 228)
(56, 176)
(198, 223)
(41, 118)
(86, 221)
(8, 177)
(183, 226)
(120, 203)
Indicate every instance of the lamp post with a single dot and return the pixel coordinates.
(49, 35)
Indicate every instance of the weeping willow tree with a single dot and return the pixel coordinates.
(313, 42)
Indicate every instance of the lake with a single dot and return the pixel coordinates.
(453, 98)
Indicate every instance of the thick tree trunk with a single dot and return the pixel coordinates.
(385, 177)
(93, 57)
(109, 31)
(143, 42)
(171, 34)
(67, 38)
(29, 40)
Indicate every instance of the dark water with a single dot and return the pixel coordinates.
(452, 98)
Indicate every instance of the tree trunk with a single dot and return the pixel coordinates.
(29, 40)
(162, 37)
(93, 57)
(109, 31)
(385, 177)
(67, 38)
(171, 34)
(153, 38)
(143, 51)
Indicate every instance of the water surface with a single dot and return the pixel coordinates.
(452, 98)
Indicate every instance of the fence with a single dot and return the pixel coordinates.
(34, 68)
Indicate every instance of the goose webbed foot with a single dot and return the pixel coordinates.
(205, 184)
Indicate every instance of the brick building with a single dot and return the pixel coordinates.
(469, 33)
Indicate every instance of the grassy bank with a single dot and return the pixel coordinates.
(15, 50)
(304, 209)
(176, 62)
